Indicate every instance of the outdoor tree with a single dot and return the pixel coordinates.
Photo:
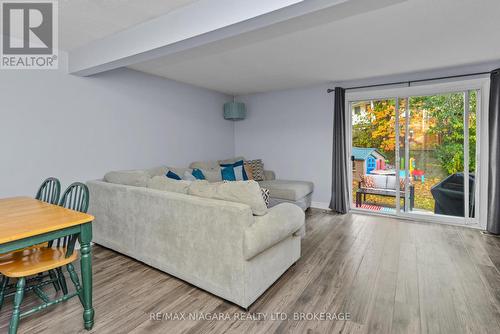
(447, 113)
(374, 126)
(436, 127)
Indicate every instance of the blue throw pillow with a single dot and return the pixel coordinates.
(238, 170)
(198, 174)
(228, 173)
(172, 175)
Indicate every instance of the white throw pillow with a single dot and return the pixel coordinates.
(246, 192)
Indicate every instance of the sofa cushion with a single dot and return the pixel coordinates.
(379, 181)
(212, 175)
(289, 190)
(137, 178)
(230, 161)
(269, 175)
(157, 171)
(391, 182)
(188, 176)
(166, 184)
(205, 165)
(246, 192)
(367, 181)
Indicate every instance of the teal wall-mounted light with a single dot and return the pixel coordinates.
(235, 111)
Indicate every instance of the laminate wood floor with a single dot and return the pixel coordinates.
(391, 276)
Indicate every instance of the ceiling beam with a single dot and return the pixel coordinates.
(199, 24)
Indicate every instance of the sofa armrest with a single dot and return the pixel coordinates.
(269, 175)
(282, 221)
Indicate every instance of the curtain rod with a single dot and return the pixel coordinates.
(329, 90)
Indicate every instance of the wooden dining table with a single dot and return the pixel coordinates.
(25, 222)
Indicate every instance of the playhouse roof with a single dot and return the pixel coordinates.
(361, 153)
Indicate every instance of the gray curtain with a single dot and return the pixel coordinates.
(338, 202)
(494, 155)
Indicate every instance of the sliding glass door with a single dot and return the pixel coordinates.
(415, 155)
(373, 152)
(442, 146)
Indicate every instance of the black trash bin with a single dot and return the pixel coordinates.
(449, 195)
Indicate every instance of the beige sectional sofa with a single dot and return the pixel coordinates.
(233, 250)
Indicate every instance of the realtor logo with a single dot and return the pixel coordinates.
(29, 34)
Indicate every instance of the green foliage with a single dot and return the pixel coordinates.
(447, 111)
(375, 127)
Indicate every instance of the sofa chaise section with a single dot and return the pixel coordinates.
(216, 245)
(288, 191)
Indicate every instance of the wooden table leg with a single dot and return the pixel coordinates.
(86, 267)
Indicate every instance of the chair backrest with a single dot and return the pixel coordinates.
(49, 191)
(76, 197)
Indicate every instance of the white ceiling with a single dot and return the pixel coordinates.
(82, 21)
(416, 35)
(412, 36)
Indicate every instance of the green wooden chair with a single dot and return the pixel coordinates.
(75, 197)
(26, 263)
(49, 191)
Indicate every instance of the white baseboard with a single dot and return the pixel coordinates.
(320, 205)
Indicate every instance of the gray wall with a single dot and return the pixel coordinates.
(291, 131)
(55, 124)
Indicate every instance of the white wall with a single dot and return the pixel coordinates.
(55, 124)
(292, 132)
